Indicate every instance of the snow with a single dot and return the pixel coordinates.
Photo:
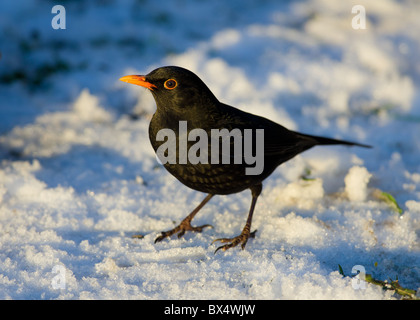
(78, 177)
(356, 182)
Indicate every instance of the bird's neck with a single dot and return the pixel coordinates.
(196, 115)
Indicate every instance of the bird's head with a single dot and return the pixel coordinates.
(175, 88)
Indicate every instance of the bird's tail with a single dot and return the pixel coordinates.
(327, 141)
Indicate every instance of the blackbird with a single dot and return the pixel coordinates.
(183, 98)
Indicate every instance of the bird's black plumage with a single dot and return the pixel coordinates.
(181, 95)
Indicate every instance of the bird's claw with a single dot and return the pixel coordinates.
(233, 242)
(181, 229)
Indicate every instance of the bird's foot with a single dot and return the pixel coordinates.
(185, 225)
(233, 242)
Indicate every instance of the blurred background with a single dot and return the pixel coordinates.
(42, 68)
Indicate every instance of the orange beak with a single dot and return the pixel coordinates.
(138, 80)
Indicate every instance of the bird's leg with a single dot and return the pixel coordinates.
(185, 225)
(246, 232)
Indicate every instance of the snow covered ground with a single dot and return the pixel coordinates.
(78, 176)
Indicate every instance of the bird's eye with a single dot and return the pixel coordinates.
(170, 84)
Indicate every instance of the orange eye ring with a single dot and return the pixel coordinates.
(170, 84)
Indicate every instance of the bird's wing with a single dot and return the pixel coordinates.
(278, 140)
